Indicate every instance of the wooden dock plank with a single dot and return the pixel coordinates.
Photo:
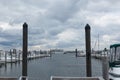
(8, 79)
(76, 78)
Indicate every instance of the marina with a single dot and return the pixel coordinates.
(60, 40)
(72, 68)
(11, 57)
(59, 64)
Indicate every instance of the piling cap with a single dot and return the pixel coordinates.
(25, 24)
(87, 26)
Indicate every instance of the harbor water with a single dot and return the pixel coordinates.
(58, 64)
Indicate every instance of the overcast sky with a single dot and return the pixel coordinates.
(59, 23)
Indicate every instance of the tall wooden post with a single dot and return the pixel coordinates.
(88, 51)
(14, 52)
(5, 57)
(0, 54)
(105, 68)
(76, 52)
(25, 50)
(11, 55)
(19, 55)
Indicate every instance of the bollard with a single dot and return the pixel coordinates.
(25, 50)
(88, 51)
(105, 68)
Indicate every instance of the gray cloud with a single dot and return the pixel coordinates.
(50, 20)
(63, 9)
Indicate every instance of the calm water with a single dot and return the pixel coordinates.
(57, 65)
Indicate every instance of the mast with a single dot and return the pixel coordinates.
(98, 43)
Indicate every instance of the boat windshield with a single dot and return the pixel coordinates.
(114, 60)
(114, 53)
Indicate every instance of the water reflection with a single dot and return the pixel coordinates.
(57, 65)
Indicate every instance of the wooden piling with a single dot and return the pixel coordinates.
(0, 54)
(88, 51)
(15, 54)
(5, 56)
(11, 55)
(105, 68)
(19, 54)
(25, 50)
(76, 52)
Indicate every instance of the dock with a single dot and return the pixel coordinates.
(16, 56)
(8, 78)
(76, 78)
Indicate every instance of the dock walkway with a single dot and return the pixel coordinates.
(8, 78)
(76, 78)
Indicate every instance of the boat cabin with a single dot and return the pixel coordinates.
(114, 60)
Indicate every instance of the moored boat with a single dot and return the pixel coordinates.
(114, 62)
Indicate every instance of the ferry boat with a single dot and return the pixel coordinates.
(114, 62)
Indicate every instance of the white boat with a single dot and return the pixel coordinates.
(114, 62)
(82, 54)
(8, 59)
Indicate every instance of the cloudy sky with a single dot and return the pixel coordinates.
(59, 23)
